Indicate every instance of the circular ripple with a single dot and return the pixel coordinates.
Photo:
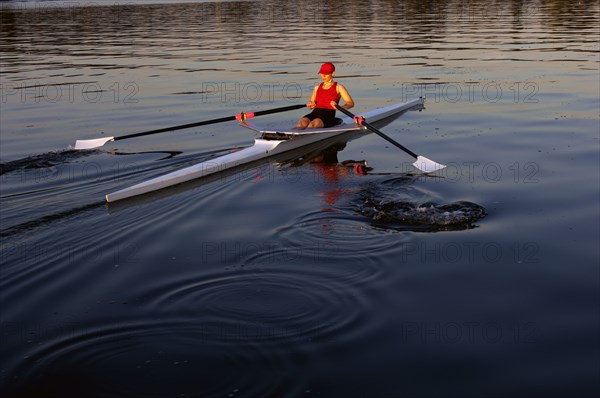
(340, 233)
(174, 357)
(340, 247)
(276, 306)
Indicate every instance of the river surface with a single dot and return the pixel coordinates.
(300, 275)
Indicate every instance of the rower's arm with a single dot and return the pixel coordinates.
(349, 102)
(313, 98)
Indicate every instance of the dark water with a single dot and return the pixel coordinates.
(291, 277)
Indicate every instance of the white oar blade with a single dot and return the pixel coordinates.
(90, 144)
(427, 165)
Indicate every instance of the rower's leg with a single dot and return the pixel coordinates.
(316, 124)
(302, 123)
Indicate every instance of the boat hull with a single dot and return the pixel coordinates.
(261, 149)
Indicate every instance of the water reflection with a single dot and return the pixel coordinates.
(86, 35)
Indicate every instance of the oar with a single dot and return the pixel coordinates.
(98, 142)
(422, 163)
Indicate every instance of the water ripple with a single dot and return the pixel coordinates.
(273, 307)
(182, 351)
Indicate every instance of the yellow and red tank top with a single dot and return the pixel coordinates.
(325, 96)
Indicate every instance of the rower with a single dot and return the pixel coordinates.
(323, 101)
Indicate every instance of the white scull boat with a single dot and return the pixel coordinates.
(270, 143)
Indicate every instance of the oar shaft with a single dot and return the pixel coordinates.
(205, 122)
(174, 128)
(98, 142)
(379, 133)
(282, 109)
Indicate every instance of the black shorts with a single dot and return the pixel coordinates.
(326, 115)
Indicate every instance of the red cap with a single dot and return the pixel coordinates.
(327, 68)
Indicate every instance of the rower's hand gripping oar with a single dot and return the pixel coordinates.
(422, 163)
(98, 142)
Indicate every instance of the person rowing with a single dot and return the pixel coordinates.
(323, 101)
